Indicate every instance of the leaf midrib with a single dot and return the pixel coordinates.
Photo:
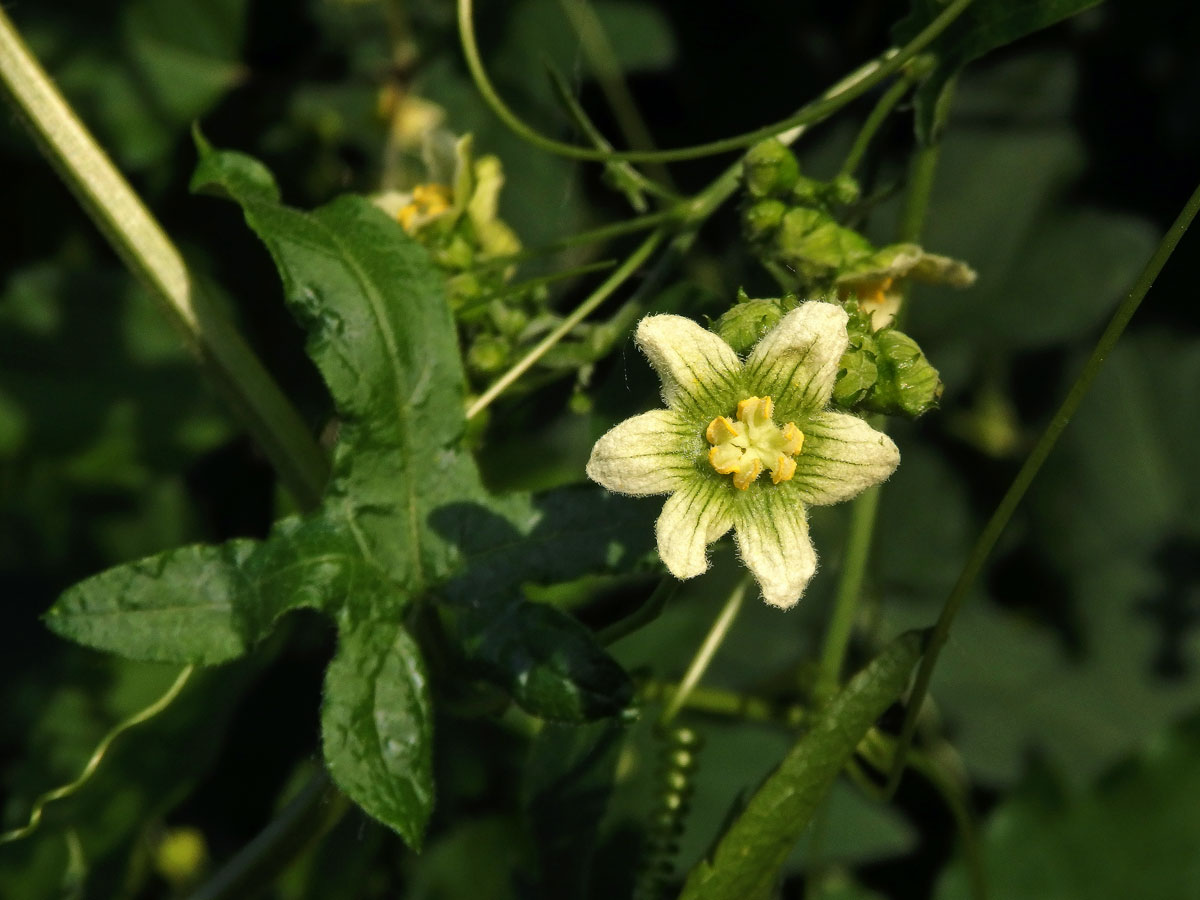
(378, 311)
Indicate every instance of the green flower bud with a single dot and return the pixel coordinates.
(815, 246)
(463, 290)
(744, 324)
(844, 189)
(762, 219)
(907, 385)
(857, 375)
(488, 354)
(770, 169)
(455, 253)
(808, 192)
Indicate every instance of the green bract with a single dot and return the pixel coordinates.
(671, 451)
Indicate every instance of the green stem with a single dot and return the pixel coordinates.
(921, 172)
(1029, 471)
(621, 170)
(143, 246)
(875, 119)
(853, 87)
(849, 591)
(708, 647)
(583, 238)
(727, 704)
(305, 820)
(865, 510)
(602, 60)
(581, 312)
(879, 749)
(686, 217)
(520, 287)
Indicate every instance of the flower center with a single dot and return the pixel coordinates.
(753, 443)
(428, 202)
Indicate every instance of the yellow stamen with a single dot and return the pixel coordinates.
(753, 443)
(428, 202)
(746, 475)
(714, 433)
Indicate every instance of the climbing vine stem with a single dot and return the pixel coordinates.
(1029, 471)
(813, 112)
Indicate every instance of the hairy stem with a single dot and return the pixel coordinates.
(865, 510)
(1029, 471)
(813, 112)
(683, 220)
(143, 246)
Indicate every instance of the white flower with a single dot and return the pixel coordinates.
(721, 421)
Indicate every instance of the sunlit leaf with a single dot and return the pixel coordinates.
(377, 724)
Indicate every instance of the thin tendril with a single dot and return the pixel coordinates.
(807, 115)
(1029, 471)
(66, 790)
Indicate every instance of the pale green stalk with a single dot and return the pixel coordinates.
(581, 312)
(141, 243)
(878, 115)
(602, 59)
(704, 654)
(849, 591)
(865, 509)
(685, 218)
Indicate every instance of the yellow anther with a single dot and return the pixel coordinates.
(428, 202)
(793, 439)
(745, 476)
(718, 428)
(753, 443)
(785, 468)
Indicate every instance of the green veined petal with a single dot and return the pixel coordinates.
(692, 518)
(772, 537)
(700, 373)
(796, 362)
(842, 457)
(644, 455)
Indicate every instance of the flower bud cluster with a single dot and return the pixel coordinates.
(793, 223)
(459, 224)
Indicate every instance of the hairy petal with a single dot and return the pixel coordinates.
(691, 519)
(772, 537)
(842, 457)
(698, 370)
(643, 455)
(796, 362)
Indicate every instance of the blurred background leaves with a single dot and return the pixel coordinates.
(1069, 688)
